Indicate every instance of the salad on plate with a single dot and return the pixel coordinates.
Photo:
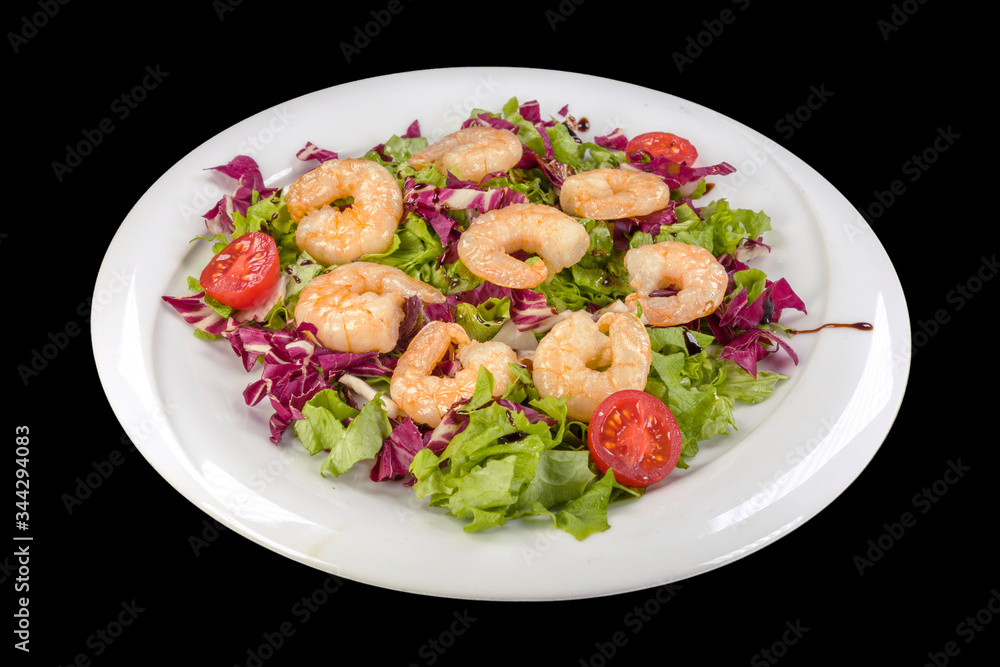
(515, 322)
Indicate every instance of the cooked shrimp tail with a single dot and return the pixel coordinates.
(426, 397)
(577, 361)
(358, 307)
(698, 277)
(558, 239)
(333, 235)
(471, 153)
(610, 194)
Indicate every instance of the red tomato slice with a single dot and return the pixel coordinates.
(670, 146)
(635, 435)
(245, 273)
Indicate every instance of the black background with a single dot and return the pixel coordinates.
(895, 77)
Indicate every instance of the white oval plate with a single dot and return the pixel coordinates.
(179, 398)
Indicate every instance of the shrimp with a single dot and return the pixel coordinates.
(338, 236)
(568, 360)
(472, 153)
(557, 238)
(610, 194)
(698, 276)
(358, 307)
(426, 397)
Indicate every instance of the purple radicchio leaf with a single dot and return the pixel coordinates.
(746, 250)
(193, 309)
(485, 120)
(533, 416)
(676, 174)
(650, 223)
(531, 111)
(616, 140)
(750, 347)
(546, 140)
(452, 423)
(313, 152)
(416, 314)
(554, 170)
(246, 172)
(781, 296)
(394, 458)
(528, 308)
(741, 314)
(294, 369)
(413, 131)
(432, 203)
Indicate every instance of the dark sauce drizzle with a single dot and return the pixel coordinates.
(860, 326)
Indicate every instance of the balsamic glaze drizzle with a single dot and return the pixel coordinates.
(860, 326)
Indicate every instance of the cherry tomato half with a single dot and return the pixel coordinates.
(670, 146)
(245, 273)
(635, 435)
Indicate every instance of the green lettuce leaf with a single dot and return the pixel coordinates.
(718, 228)
(754, 280)
(322, 427)
(599, 278)
(741, 386)
(414, 246)
(561, 475)
(503, 467)
(599, 157)
(401, 150)
(482, 322)
(588, 514)
(565, 148)
(264, 215)
(690, 393)
(322, 423)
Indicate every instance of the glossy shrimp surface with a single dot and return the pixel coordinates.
(358, 307)
(558, 239)
(610, 194)
(472, 153)
(426, 397)
(338, 235)
(698, 277)
(576, 360)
